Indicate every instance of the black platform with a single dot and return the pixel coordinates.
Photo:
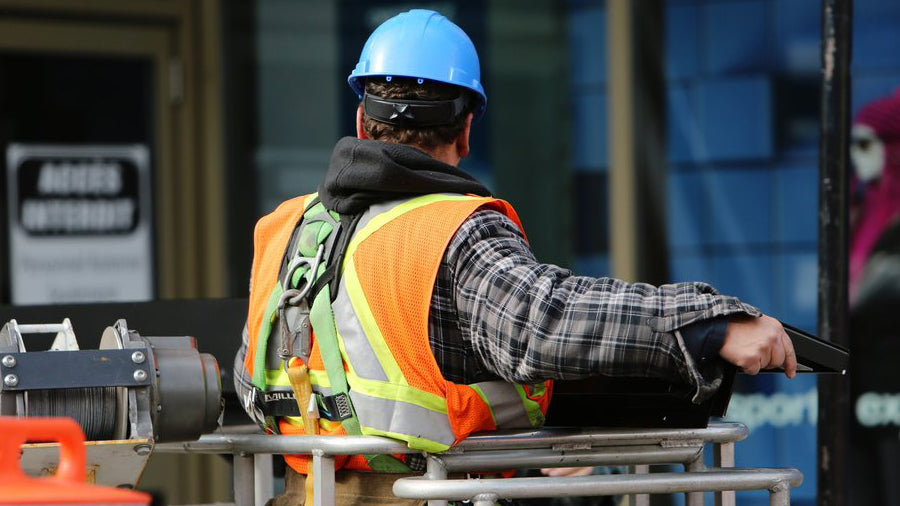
(648, 403)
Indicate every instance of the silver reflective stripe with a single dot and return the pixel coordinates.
(506, 405)
(402, 418)
(359, 350)
(376, 209)
(360, 353)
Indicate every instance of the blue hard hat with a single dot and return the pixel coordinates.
(420, 44)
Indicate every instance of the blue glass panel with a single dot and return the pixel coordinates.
(736, 115)
(799, 286)
(592, 265)
(691, 267)
(682, 123)
(587, 45)
(748, 276)
(740, 206)
(797, 203)
(736, 38)
(797, 32)
(876, 35)
(687, 209)
(681, 41)
(875, 47)
(589, 130)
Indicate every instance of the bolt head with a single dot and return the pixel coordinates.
(9, 361)
(140, 375)
(10, 380)
(138, 357)
(142, 449)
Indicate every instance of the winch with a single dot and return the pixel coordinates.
(132, 387)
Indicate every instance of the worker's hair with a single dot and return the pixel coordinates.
(409, 88)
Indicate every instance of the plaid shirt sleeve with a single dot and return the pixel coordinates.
(528, 321)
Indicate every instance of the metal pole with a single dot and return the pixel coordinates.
(655, 483)
(640, 499)
(323, 479)
(263, 478)
(833, 240)
(621, 114)
(436, 470)
(694, 498)
(780, 495)
(724, 458)
(244, 489)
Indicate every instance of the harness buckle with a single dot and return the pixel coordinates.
(291, 295)
(291, 299)
(334, 407)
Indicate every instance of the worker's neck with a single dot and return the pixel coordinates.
(446, 153)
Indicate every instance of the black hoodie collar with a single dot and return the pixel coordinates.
(366, 172)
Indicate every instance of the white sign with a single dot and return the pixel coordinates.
(80, 223)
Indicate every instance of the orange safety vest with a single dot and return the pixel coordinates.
(381, 316)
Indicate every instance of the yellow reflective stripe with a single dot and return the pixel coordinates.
(280, 378)
(411, 441)
(320, 378)
(415, 203)
(392, 391)
(485, 400)
(277, 377)
(535, 415)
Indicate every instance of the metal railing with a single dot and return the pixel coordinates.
(637, 448)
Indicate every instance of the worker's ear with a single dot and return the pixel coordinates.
(462, 140)
(360, 123)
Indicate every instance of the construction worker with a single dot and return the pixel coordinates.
(430, 317)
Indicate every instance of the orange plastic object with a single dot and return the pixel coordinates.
(68, 485)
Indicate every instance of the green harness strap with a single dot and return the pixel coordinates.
(321, 317)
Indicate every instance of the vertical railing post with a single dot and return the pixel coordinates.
(436, 471)
(244, 483)
(323, 478)
(262, 478)
(834, 390)
(694, 466)
(640, 499)
(780, 495)
(723, 457)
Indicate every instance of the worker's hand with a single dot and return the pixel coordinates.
(756, 343)
(566, 471)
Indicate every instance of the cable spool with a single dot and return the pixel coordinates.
(133, 387)
(93, 408)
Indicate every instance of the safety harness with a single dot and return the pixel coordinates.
(301, 303)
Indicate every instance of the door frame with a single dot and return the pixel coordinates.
(182, 40)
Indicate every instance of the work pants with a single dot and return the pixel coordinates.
(352, 488)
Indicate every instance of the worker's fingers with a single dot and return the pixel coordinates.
(752, 366)
(776, 351)
(790, 356)
(566, 471)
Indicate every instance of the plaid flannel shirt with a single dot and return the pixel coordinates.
(496, 312)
